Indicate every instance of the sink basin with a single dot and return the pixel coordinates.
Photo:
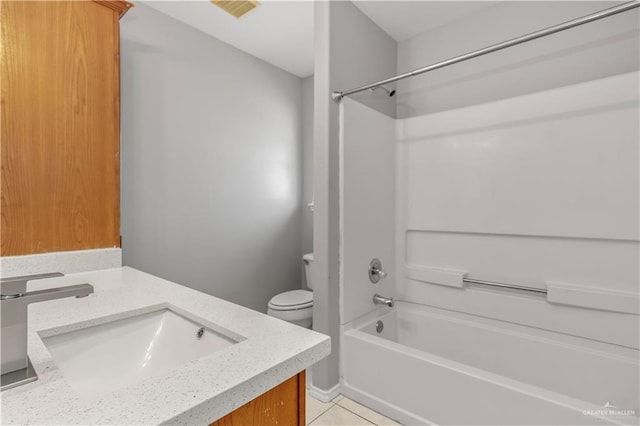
(102, 358)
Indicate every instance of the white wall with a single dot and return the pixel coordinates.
(540, 190)
(367, 206)
(211, 162)
(350, 50)
(595, 50)
(519, 174)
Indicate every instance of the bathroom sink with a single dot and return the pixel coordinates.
(102, 358)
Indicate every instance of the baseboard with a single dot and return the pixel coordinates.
(323, 395)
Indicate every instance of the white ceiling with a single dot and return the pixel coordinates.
(281, 32)
(278, 32)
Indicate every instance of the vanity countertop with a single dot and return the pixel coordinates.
(199, 392)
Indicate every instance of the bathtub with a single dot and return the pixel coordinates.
(433, 366)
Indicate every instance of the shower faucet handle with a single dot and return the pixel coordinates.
(375, 271)
(382, 274)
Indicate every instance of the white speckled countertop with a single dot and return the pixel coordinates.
(198, 392)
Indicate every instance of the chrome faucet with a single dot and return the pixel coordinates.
(375, 271)
(381, 300)
(16, 367)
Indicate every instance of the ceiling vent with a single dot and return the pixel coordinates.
(236, 8)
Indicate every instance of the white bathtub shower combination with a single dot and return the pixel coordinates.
(539, 190)
(429, 365)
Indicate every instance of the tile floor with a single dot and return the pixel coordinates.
(342, 412)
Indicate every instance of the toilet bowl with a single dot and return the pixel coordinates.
(295, 306)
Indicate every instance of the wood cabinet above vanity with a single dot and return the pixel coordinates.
(60, 125)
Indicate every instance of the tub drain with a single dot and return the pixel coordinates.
(379, 326)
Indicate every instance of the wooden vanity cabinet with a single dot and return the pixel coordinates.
(283, 405)
(60, 125)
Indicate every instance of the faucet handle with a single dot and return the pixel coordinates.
(15, 286)
(375, 271)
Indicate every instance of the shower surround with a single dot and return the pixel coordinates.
(539, 190)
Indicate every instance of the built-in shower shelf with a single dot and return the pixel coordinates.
(593, 297)
(446, 277)
(555, 292)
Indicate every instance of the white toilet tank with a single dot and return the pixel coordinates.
(308, 260)
(295, 306)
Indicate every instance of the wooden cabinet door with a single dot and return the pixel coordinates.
(283, 405)
(60, 125)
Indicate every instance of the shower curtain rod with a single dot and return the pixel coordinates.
(337, 96)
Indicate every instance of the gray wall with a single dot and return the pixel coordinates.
(595, 50)
(307, 164)
(361, 53)
(350, 50)
(211, 162)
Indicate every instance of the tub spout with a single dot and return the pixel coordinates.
(381, 300)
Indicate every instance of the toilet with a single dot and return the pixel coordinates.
(295, 306)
